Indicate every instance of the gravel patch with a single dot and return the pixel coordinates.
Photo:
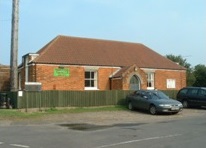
(107, 118)
(119, 117)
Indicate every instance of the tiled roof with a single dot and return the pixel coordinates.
(95, 52)
(121, 72)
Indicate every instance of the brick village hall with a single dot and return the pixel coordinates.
(74, 63)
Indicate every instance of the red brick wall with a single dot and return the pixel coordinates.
(4, 78)
(45, 75)
(117, 84)
(103, 78)
(22, 73)
(31, 76)
(161, 77)
(75, 81)
(32, 73)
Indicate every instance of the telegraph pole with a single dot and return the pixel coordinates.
(14, 46)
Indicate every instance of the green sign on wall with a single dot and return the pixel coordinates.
(61, 72)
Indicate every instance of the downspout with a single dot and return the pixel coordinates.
(35, 72)
(26, 69)
(110, 79)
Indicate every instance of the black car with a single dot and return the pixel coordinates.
(192, 96)
(153, 101)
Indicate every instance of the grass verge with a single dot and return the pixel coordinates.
(12, 114)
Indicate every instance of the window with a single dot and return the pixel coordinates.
(150, 80)
(171, 83)
(183, 92)
(192, 92)
(202, 92)
(90, 80)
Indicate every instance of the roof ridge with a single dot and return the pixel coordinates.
(99, 39)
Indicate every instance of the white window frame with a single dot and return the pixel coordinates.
(171, 83)
(150, 79)
(91, 70)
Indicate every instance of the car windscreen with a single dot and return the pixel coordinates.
(158, 95)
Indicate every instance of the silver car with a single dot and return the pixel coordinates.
(153, 101)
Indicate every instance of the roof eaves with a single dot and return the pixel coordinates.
(166, 68)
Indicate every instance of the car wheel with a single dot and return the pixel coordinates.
(153, 110)
(185, 104)
(130, 106)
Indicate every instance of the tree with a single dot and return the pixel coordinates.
(183, 62)
(179, 59)
(200, 75)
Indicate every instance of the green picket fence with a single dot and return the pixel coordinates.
(49, 99)
(45, 99)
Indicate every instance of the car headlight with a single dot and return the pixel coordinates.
(165, 105)
(180, 105)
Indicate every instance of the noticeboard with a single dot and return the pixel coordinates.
(61, 72)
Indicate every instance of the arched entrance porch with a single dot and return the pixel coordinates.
(134, 83)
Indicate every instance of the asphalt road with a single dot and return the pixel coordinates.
(188, 132)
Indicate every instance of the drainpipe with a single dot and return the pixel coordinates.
(26, 69)
(35, 77)
(110, 84)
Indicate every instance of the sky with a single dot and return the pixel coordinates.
(175, 27)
